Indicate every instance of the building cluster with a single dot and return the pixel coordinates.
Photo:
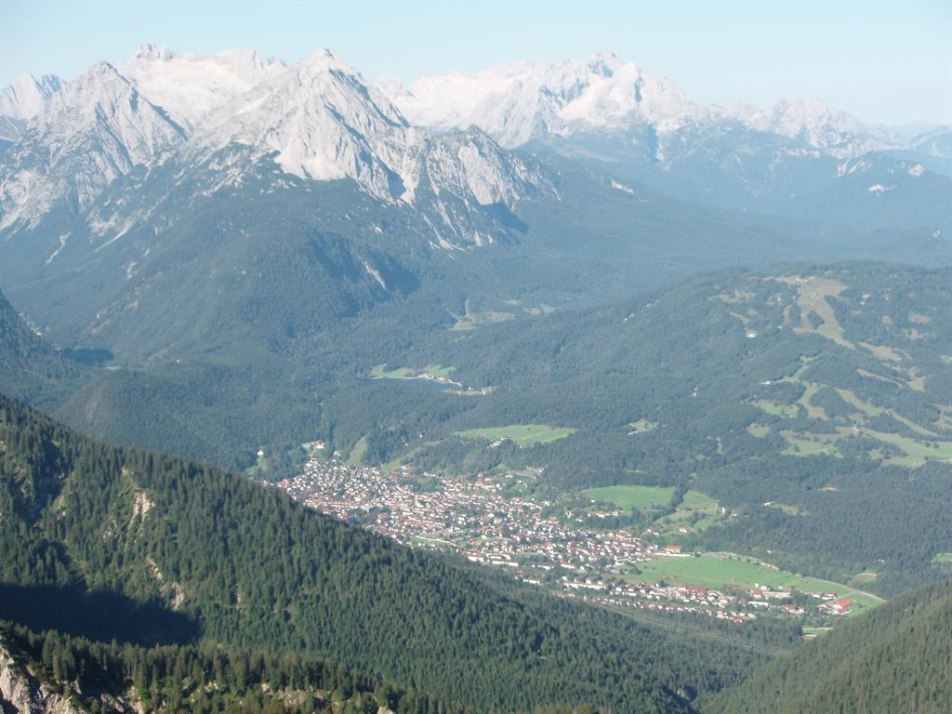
(490, 520)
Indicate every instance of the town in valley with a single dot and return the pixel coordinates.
(573, 548)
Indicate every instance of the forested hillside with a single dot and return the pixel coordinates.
(894, 659)
(29, 367)
(123, 677)
(802, 399)
(120, 544)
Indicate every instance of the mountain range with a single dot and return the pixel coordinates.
(221, 216)
(227, 257)
(320, 120)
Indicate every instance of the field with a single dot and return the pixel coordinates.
(813, 412)
(809, 444)
(433, 371)
(642, 426)
(787, 508)
(471, 319)
(520, 434)
(787, 411)
(696, 511)
(726, 572)
(917, 452)
(644, 498)
(942, 558)
(357, 453)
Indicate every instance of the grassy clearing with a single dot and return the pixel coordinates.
(854, 401)
(787, 411)
(356, 456)
(880, 377)
(788, 508)
(261, 468)
(944, 421)
(758, 430)
(471, 319)
(812, 294)
(696, 501)
(872, 411)
(696, 512)
(864, 578)
(433, 371)
(942, 558)
(642, 426)
(884, 353)
(916, 452)
(644, 498)
(726, 571)
(799, 444)
(813, 412)
(520, 434)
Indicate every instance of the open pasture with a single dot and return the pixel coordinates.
(644, 498)
(520, 434)
(726, 571)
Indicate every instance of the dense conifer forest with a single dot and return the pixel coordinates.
(897, 658)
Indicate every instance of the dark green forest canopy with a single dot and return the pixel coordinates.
(107, 677)
(823, 388)
(896, 658)
(241, 564)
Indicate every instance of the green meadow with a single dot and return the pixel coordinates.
(520, 434)
(644, 498)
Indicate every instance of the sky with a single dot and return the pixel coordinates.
(884, 62)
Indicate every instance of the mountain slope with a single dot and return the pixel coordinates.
(248, 566)
(896, 658)
(782, 160)
(825, 389)
(29, 368)
(190, 86)
(519, 102)
(28, 96)
(523, 101)
(95, 129)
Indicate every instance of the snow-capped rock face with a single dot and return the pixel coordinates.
(471, 164)
(27, 97)
(23, 100)
(814, 123)
(190, 86)
(321, 121)
(243, 118)
(521, 101)
(95, 129)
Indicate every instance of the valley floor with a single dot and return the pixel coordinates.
(578, 548)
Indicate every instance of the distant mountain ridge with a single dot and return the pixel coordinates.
(223, 98)
(524, 100)
(317, 120)
(225, 212)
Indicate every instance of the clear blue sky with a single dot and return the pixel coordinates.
(887, 62)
